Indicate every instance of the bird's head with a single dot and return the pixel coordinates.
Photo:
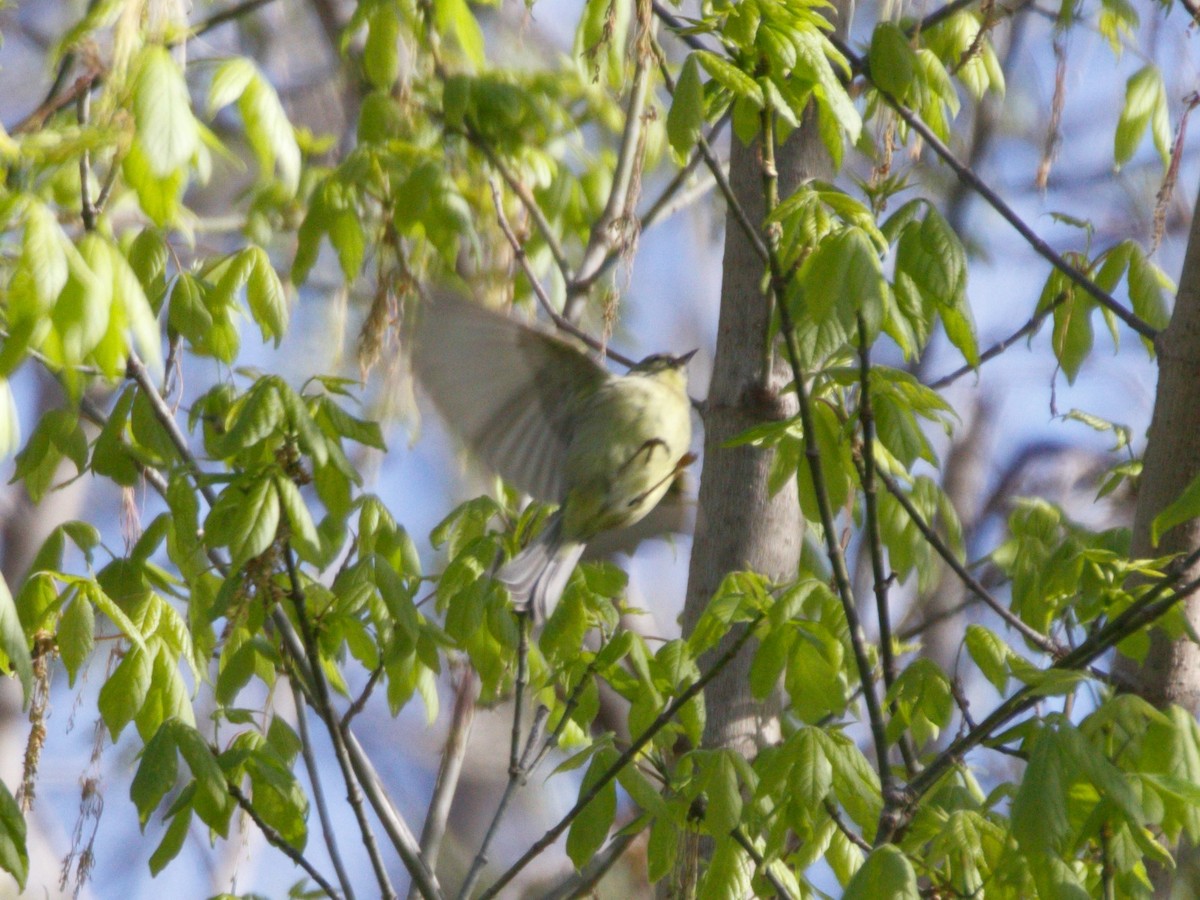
(661, 362)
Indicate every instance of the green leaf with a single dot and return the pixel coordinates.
(1184, 508)
(843, 276)
(885, 875)
(211, 801)
(172, 842)
(730, 76)
(590, 828)
(76, 635)
(80, 317)
(381, 52)
(229, 83)
(1073, 334)
(892, 61)
(14, 857)
(724, 811)
(265, 295)
(1145, 106)
(270, 133)
(686, 115)
(245, 519)
(661, 848)
(105, 604)
(13, 644)
(122, 696)
(810, 778)
(990, 654)
(10, 421)
(1040, 819)
(302, 532)
(156, 774)
(162, 109)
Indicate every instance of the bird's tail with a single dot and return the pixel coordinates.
(537, 576)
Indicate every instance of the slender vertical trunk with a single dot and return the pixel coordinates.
(1170, 671)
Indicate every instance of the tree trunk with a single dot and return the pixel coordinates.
(1170, 672)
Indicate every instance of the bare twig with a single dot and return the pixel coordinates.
(560, 321)
(611, 231)
(517, 775)
(87, 209)
(453, 754)
(275, 839)
(853, 836)
(1031, 326)
(227, 15)
(318, 792)
(583, 882)
(518, 187)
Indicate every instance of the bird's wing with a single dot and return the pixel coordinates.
(506, 389)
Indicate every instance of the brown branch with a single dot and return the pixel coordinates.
(275, 839)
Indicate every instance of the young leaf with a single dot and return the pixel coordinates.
(1145, 106)
(162, 109)
(13, 644)
(155, 775)
(886, 875)
(1184, 508)
(14, 857)
(687, 109)
(590, 829)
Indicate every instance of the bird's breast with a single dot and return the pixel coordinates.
(625, 451)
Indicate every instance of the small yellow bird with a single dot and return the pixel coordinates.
(557, 426)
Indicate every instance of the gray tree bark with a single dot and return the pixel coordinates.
(1170, 673)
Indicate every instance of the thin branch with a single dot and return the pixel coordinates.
(611, 231)
(560, 321)
(1031, 634)
(623, 760)
(446, 786)
(517, 186)
(583, 882)
(663, 207)
(781, 889)
(517, 776)
(880, 576)
(397, 829)
(833, 549)
(325, 710)
(314, 778)
(136, 370)
(853, 836)
(361, 700)
(275, 839)
(87, 209)
(227, 15)
(977, 184)
(1030, 327)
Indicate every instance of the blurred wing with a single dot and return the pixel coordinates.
(506, 389)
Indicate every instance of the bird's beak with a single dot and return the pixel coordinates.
(681, 361)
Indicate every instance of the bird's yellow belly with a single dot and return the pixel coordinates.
(623, 456)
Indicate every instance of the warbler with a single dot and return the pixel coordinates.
(556, 425)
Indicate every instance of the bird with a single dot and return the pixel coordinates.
(556, 425)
